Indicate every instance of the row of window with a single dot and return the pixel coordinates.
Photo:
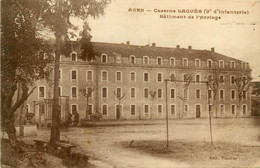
(185, 62)
(147, 92)
(159, 61)
(146, 108)
(146, 77)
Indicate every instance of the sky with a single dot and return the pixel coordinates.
(234, 35)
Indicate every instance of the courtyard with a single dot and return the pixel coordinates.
(141, 143)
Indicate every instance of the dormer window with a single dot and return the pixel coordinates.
(197, 62)
(103, 58)
(146, 60)
(132, 59)
(232, 64)
(74, 56)
(209, 63)
(159, 61)
(221, 64)
(185, 62)
(172, 61)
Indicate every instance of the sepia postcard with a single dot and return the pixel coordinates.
(130, 83)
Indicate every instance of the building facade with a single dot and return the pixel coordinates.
(137, 75)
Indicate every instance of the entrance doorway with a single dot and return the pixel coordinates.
(198, 111)
(118, 111)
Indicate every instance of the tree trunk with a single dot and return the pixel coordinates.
(55, 130)
(10, 130)
(21, 121)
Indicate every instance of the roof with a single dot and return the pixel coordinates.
(151, 51)
(154, 51)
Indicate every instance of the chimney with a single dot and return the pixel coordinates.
(178, 46)
(212, 49)
(190, 47)
(128, 43)
(153, 44)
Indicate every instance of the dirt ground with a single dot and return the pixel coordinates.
(108, 146)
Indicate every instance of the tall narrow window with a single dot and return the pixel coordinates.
(173, 109)
(104, 75)
(244, 109)
(146, 60)
(132, 92)
(209, 63)
(221, 95)
(74, 92)
(74, 75)
(233, 109)
(146, 77)
(233, 94)
(159, 108)
(119, 92)
(146, 93)
(146, 109)
(159, 93)
(60, 91)
(172, 61)
(159, 77)
(197, 63)
(41, 91)
(197, 93)
(132, 76)
(132, 109)
(132, 59)
(73, 57)
(232, 80)
(159, 61)
(197, 78)
(185, 62)
(104, 58)
(74, 108)
(118, 76)
(60, 74)
(244, 95)
(172, 93)
(221, 64)
(232, 64)
(104, 92)
(89, 76)
(221, 79)
(104, 109)
(90, 92)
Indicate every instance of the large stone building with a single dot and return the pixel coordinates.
(138, 73)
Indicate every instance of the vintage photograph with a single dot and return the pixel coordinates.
(130, 83)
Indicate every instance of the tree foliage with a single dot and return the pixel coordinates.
(24, 57)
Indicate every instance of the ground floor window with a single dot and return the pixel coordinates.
(133, 109)
(244, 109)
(159, 109)
(104, 109)
(222, 109)
(186, 108)
(146, 109)
(233, 109)
(173, 109)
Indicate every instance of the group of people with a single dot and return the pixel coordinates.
(73, 118)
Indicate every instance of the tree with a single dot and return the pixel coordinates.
(213, 86)
(56, 16)
(243, 85)
(24, 58)
(119, 96)
(187, 80)
(87, 94)
(152, 94)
